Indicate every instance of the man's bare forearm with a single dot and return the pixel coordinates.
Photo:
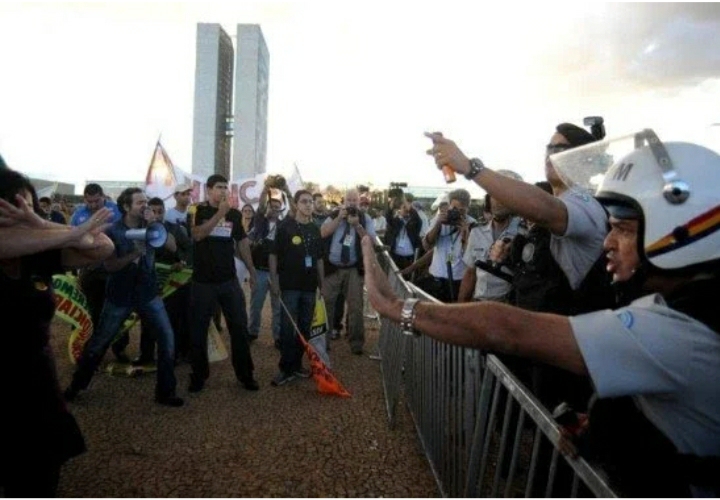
(17, 241)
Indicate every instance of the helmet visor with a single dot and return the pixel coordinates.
(585, 167)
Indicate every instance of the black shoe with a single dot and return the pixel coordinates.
(70, 394)
(196, 384)
(173, 401)
(250, 385)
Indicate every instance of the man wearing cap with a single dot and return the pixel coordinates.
(178, 214)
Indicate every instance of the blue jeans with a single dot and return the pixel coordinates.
(257, 301)
(111, 319)
(301, 306)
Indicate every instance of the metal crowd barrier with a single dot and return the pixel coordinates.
(483, 433)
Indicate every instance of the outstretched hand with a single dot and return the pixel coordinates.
(20, 214)
(378, 287)
(89, 234)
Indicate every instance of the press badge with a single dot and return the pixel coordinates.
(308, 261)
(348, 240)
(222, 230)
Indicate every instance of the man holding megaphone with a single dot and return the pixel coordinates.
(132, 286)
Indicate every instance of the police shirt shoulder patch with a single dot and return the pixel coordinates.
(626, 318)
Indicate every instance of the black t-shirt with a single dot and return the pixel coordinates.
(299, 248)
(213, 257)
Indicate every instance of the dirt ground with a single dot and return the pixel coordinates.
(287, 441)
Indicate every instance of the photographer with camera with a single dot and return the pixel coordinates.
(342, 232)
(447, 238)
(479, 282)
(404, 230)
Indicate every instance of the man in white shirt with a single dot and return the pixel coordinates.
(178, 214)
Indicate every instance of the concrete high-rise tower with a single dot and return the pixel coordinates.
(214, 123)
(251, 102)
(212, 116)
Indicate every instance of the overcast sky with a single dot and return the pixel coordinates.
(87, 88)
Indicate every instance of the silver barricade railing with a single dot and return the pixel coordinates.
(391, 342)
(482, 431)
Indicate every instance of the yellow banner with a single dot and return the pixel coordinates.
(71, 306)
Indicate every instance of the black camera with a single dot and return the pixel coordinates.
(454, 217)
(351, 211)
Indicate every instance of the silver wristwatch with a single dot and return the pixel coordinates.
(476, 166)
(407, 316)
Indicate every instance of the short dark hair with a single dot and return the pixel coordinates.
(156, 202)
(45, 199)
(214, 179)
(125, 198)
(13, 183)
(93, 189)
(460, 195)
(317, 195)
(299, 193)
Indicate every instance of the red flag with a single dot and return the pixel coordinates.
(324, 379)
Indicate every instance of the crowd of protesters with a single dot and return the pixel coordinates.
(534, 278)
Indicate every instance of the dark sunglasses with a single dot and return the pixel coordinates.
(552, 149)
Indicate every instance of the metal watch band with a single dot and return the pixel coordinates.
(407, 316)
(476, 166)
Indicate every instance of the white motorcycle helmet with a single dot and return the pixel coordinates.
(674, 188)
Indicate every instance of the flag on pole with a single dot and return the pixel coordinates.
(160, 179)
(324, 379)
(295, 181)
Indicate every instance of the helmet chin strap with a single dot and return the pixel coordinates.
(633, 288)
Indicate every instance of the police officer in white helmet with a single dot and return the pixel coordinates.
(654, 362)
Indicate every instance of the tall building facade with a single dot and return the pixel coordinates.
(217, 131)
(212, 113)
(251, 102)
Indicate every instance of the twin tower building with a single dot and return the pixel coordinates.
(231, 102)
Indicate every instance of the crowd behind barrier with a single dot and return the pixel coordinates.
(480, 428)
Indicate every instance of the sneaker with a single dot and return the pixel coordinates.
(196, 384)
(250, 385)
(302, 373)
(173, 401)
(282, 378)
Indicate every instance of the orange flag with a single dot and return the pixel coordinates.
(324, 379)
